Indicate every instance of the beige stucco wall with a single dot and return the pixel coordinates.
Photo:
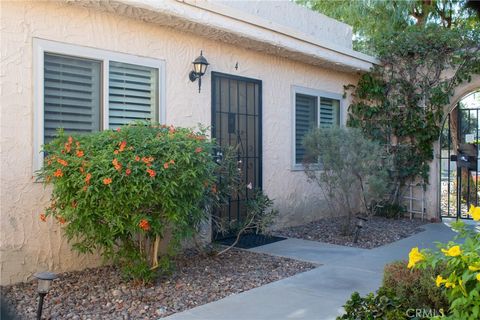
(28, 245)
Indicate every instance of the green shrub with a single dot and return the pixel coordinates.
(383, 305)
(415, 287)
(390, 210)
(353, 168)
(259, 217)
(228, 177)
(404, 294)
(120, 192)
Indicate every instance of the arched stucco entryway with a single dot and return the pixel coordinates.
(432, 193)
(461, 131)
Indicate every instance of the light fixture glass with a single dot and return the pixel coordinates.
(43, 286)
(44, 281)
(197, 67)
(200, 65)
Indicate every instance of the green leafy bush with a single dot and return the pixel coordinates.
(352, 168)
(460, 280)
(228, 176)
(259, 217)
(404, 294)
(260, 213)
(383, 305)
(120, 192)
(390, 210)
(415, 287)
(231, 183)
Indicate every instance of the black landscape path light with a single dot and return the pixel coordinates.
(358, 227)
(44, 281)
(200, 65)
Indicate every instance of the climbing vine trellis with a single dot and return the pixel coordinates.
(400, 102)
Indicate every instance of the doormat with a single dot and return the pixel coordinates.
(250, 240)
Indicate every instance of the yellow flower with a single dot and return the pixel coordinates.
(449, 284)
(453, 251)
(474, 212)
(472, 268)
(439, 281)
(478, 276)
(414, 257)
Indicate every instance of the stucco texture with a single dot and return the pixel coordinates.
(28, 245)
(312, 23)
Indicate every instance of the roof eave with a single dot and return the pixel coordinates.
(222, 23)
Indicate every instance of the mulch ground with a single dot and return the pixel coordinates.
(377, 231)
(101, 293)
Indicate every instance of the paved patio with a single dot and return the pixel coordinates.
(321, 292)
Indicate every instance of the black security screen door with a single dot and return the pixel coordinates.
(237, 122)
(459, 184)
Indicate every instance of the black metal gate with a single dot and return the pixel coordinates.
(237, 122)
(459, 185)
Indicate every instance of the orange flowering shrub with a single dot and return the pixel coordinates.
(117, 191)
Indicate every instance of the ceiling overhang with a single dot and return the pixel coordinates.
(222, 23)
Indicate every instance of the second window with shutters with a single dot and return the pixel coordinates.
(312, 109)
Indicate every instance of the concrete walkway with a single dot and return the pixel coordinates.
(321, 292)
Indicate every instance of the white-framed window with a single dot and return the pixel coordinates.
(83, 89)
(312, 108)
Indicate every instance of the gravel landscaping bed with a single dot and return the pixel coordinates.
(377, 231)
(101, 293)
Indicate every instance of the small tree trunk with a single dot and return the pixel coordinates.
(154, 254)
(239, 234)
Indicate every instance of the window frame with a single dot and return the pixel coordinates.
(319, 94)
(42, 46)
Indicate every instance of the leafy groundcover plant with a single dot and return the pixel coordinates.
(460, 279)
(121, 192)
(404, 294)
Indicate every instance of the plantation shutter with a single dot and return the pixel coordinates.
(71, 95)
(329, 113)
(305, 119)
(133, 94)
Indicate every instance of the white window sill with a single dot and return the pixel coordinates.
(301, 167)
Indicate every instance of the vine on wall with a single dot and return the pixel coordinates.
(400, 102)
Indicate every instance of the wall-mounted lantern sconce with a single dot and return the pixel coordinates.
(199, 68)
(44, 281)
